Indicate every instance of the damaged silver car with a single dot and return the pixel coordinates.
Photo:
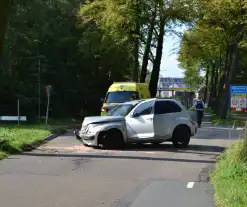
(141, 121)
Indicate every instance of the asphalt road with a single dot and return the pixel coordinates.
(64, 173)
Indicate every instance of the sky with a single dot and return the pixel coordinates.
(169, 64)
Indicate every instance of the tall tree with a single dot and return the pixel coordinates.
(148, 43)
(122, 24)
(170, 14)
(45, 44)
(3, 22)
(223, 22)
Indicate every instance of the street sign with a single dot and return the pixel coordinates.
(13, 118)
(173, 84)
(238, 97)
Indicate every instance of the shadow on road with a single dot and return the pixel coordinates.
(109, 156)
(166, 147)
(170, 148)
(194, 149)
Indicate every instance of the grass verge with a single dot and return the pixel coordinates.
(230, 177)
(238, 120)
(15, 139)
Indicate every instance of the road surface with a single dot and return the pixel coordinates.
(64, 173)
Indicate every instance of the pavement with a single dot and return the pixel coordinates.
(65, 173)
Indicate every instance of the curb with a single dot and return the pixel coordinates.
(204, 175)
(51, 137)
(35, 144)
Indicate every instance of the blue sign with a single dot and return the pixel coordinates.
(238, 98)
(238, 89)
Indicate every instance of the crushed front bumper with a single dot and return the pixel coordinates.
(88, 139)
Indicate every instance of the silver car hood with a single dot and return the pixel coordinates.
(101, 119)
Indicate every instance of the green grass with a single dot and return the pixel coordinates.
(2, 155)
(230, 177)
(240, 121)
(15, 139)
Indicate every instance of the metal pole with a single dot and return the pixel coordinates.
(47, 109)
(18, 110)
(39, 90)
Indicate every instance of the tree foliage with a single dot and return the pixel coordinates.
(3, 22)
(216, 43)
(77, 60)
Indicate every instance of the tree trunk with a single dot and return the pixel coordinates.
(222, 82)
(206, 86)
(212, 84)
(147, 49)
(233, 63)
(214, 95)
(156, 65)
(136, 46)
(220, 92)
(3, 22)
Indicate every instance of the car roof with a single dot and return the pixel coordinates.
(167, 99)
(150, 99)
(133, 102)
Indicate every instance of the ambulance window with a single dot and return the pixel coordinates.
(121, 96)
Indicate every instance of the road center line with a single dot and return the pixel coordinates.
(190, 184)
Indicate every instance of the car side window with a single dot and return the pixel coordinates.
(144, 108)
(165, 107)
(173, 107)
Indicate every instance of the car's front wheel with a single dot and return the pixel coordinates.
(111, 139)
(181, 136)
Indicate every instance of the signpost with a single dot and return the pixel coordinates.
(18, 110)
(48, 93)
(166, 83)
(238, 96)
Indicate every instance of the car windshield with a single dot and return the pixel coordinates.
(121, 110)
(121, 96)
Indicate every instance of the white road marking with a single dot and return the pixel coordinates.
(190, 184)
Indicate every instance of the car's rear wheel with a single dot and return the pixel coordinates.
(111, 139)
(181, 136)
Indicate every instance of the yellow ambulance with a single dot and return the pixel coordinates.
(120, 92)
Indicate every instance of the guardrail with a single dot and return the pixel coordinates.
(13, 118)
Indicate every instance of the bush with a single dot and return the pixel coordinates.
(230, 177)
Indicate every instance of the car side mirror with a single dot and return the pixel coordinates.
(136, 114)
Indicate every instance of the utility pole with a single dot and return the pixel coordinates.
(48, 92)
(39, 88)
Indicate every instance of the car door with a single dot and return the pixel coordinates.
(140, 121)
(165, 114)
